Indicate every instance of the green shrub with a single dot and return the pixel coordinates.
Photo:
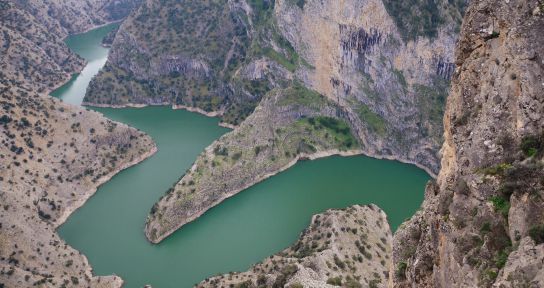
(486, 228)
(501, 258)
(352, 283)
(335, 281)
(236, 156)
(375, 122)
(401, 270)
(537, 233)
(531, 145)
(491, 274)
(501, 205)
(497, 170)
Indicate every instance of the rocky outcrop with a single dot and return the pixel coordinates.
(182, 54)
(481, 224)
(362, 68)
(347, 248)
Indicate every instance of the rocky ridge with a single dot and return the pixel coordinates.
(32, 34)
(64, 17)
(31, 53)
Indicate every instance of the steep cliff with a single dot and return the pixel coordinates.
(388, 88)
(482, 223)
(348, 248)
(187, 54)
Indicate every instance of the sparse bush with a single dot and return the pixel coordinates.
(537, 233)
(335, 281)
(401, 270)
(501, 205)
(531, 145)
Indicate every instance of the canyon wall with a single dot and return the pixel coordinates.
(482, 222)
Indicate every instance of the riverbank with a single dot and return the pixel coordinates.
(82, 200)
(303, 156)
(212, 114)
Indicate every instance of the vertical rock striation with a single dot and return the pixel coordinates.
(482, 222)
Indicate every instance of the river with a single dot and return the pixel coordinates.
(243, 230)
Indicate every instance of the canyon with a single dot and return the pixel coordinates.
(296, 80)
(361, 77)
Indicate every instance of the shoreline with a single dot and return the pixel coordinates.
(310, 157)
(213, 114)
(80, 202)
(92, 28)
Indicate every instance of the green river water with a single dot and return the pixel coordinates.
(241, 231)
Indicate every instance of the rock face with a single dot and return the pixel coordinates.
(392, 87)
(348, 248)
(183, 53)
(482, 221)
(383, 75)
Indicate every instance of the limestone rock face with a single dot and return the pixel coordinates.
(482, 221)
(347, 247)
(393, 88)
